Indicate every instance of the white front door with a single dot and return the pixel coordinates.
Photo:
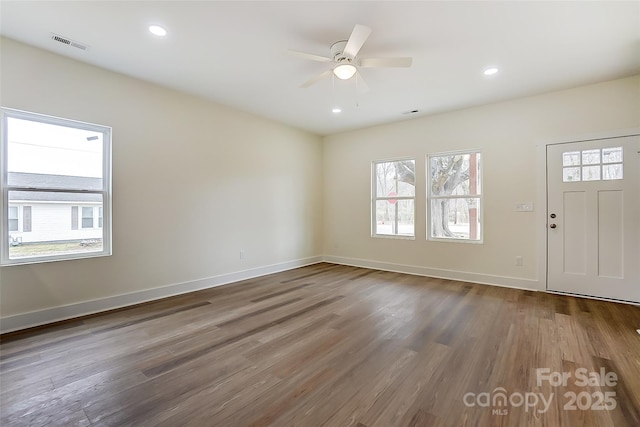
(593, 218)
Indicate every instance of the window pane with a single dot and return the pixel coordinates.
(51, 225)
(570, 174)
(610, 172)
(13, 212)
(87, 217)
(395, 218)
(571, 158)
(13, 218)
(53, 156)
(456, 218)
(612, 155)
(590, 173)
(590, 157)
(457, 174)
(395, 178)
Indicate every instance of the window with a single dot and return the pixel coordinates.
(592, 165)
(87, 217)
(100, 216)
(393, 202)
(26, 219)
(74, 217)
(55, 172)
(13, 218)
(455, 196)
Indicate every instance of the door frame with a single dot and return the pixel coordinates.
(542, 199)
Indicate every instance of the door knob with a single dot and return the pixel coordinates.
(552, 226)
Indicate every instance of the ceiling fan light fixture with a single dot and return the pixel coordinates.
(344, 71)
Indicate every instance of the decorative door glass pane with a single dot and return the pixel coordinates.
(571, 174)
(591, 173)
(612, 155)
(590, 157)
(571, 158)
(610, 172)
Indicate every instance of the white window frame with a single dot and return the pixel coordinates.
(375, 199)
(431, 197)
(105, 191)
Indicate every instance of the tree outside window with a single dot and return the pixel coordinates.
(394, 198)
(455, 196)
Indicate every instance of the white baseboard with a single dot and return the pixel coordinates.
(485, 279)
(55, 314)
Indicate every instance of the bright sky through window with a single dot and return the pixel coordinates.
(50, 149)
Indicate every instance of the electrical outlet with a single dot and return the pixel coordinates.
(519, 261)
(241, 253)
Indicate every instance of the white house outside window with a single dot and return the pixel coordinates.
(49, 168)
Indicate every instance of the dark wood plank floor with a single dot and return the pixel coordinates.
(329, 345)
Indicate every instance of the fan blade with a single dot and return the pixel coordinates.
(359, 35)
(310, 56)
(361, 85)
(385, 62)
(316, 79)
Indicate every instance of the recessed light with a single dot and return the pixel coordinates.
(336, 110)
(157, 30)
(490, 71)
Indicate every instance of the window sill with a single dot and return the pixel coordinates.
(450, 240)
(393, 237)
(54, 258)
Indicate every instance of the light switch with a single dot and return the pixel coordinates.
(524, 207)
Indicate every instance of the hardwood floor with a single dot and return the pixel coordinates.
(330, 345)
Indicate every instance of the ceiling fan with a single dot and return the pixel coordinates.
(345, 60)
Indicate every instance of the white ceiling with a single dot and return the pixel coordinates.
(235, 53)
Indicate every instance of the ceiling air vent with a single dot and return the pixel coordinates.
(64, 40)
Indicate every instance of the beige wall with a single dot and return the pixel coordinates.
(507, 134)
(193, 183)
